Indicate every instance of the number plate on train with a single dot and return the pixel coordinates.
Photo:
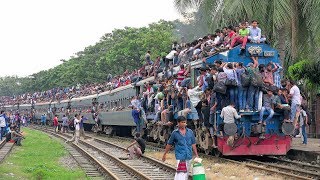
(268, 53)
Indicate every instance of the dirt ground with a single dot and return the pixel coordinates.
(214, 168)
(217, 170)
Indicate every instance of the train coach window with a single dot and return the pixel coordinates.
(137, 90)
(195, 73)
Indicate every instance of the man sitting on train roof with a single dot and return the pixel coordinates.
(255, 33)
(169, 58)
(242, 37)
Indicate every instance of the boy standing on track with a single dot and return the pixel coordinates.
(65, 125)
(184, 141)
(43, 120)
(76, 134)
(2, 124)
(55, 123)
(82, 127)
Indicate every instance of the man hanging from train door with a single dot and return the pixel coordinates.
(136, 118)
(185, 143)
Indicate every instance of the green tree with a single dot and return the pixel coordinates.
(290, 25)
(114, 53)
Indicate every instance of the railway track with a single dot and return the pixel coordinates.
(5, 149)
(91, 166)
(307, 171)
(291, 169)
(114, 158)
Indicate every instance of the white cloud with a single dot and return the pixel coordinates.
(36, 34)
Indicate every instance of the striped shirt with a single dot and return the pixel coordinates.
(181, 75)
(276, 76)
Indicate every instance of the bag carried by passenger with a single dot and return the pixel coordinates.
(231, 82)
(245, 79)
(182, 166)
(220, 87)
(256, 80)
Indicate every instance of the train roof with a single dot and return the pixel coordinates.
(84, 98)
(25, 105)
(264, 52)
(44, 103)
(141, 83)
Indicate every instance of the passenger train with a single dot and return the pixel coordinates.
(115, 118)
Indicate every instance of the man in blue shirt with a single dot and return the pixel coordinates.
(136, 118)
(43, 120)
(184, 141)
(82, 127)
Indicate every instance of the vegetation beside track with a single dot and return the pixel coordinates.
(39, 157)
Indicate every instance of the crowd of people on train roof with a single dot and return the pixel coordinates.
(180, 54)
(174, 92)
(223, 86)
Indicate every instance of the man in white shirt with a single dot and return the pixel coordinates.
(295, 101)
(170, 56)
(135, 102)
(194, 97)
(228, 114)
(76, 134)
(255, 33)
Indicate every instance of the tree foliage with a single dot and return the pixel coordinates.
(115, 52)
(306, 70)
(290, 25)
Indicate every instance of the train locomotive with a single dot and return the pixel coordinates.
(107, 113)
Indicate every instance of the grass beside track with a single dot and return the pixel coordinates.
(39, 157)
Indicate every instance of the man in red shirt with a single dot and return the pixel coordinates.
(181, 74)
(268, 74)
(55, 123)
